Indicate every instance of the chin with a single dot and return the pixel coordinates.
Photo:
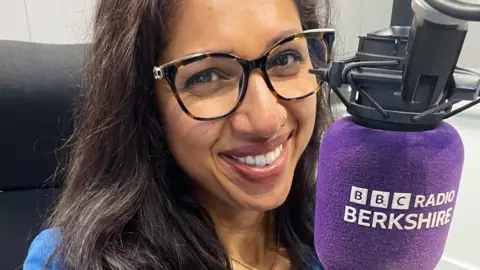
(266, 201)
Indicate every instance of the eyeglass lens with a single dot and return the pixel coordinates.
(211, 87)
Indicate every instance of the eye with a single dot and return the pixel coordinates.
(204, 77)
(285, 58)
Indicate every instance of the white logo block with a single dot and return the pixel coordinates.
(359, 195)
(401, 201)
(380, 199)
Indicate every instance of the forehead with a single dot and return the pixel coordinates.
(244, 27)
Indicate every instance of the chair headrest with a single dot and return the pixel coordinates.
(38, 84)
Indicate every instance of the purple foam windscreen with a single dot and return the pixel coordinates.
(385, 199)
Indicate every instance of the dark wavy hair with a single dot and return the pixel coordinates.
(126, 204)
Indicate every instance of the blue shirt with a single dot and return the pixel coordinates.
(44, 245)
(41, 249)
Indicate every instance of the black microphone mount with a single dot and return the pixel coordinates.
(406, 77)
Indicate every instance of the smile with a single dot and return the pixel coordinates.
(263, 159)
(260, 162)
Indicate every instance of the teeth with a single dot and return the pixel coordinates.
(277, 151)
(262, 160)
(250, 160)
(270, 157)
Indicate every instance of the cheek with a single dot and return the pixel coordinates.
(183, 131)
(189, 140)
(304, 111)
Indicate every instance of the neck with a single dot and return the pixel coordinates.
(247, 235)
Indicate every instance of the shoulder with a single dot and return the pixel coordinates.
(41, 249)
(316, 263)
(317, 266)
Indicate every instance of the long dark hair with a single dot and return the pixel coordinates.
(126, 203)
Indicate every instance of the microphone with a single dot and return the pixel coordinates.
(389, 173)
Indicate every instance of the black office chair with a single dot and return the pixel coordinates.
(38, 83)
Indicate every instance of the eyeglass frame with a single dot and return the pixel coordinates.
(168, 71)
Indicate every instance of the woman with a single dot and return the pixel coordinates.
(209, 161)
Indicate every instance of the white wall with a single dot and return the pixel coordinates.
(463, 245)
(46, 21)
(470, 56)
(13, 20)
(67, 21)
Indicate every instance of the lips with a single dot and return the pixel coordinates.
(259, 148)
(261, 161)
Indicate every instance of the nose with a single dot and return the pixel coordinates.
(260, 116)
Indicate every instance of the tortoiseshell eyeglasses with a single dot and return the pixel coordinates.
(212, 85)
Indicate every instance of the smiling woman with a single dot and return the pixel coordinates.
(197, 140)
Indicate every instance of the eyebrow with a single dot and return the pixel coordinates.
(270, 43)
(284, 34)
(280, 37)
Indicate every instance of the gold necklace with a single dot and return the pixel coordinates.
(243, 264)
(277, 248)
(251, 267)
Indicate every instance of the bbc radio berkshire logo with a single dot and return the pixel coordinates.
(385, 219)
